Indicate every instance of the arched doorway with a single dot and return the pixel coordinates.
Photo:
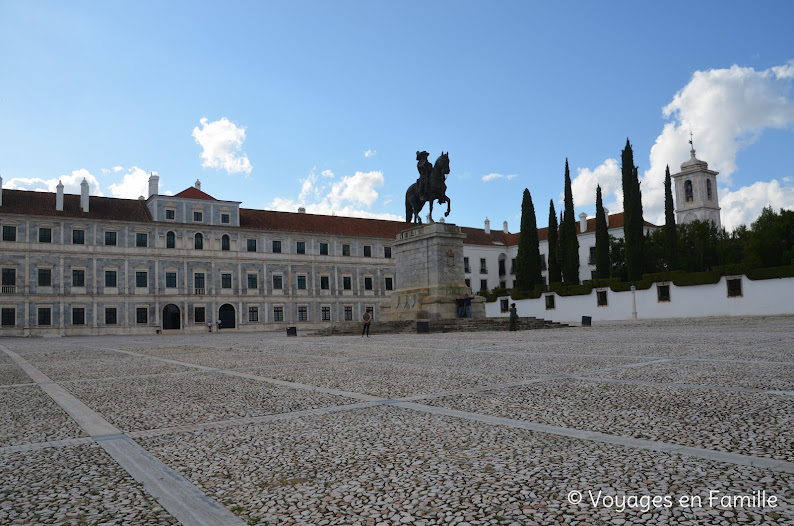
(226, 315)
(171, 318)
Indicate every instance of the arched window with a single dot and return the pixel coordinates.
(225, 243)
(170, 240)
(688, 191)
(199, 242)
(708, 189)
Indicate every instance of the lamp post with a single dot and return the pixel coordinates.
(633, 303)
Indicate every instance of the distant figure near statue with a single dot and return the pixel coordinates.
(430, 186)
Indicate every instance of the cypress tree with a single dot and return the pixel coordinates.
(555, 275)
(570, 247)
(528, 258)
(670, 233)
(632, 214)
(601, 238)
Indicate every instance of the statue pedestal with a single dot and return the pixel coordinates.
(430, 275)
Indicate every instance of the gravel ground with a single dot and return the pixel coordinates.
(12, 374)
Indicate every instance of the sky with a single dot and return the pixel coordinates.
(325, 104)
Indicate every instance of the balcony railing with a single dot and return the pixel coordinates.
(9, 289)
(199, 291)
(483, 270)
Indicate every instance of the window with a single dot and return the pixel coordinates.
(503, 305)
(141, 279)
(170, 240)
(78, 237)
(170, 280)
(502, 284)
(44, 316)
(276, 246)
(325, 282)
(45, 277)
(45, 235)
(592, 259)
(141, 315)
(601, 297)
(9, 233)
(347, 283)
(110, 278)
(277, 282)
(483, 284)
(550, 302)
(110, 316)
(323, 249)
(688, 191)
(110, 238)
(9, 277)
(345, 250)
(252, 281)
(170, 213)
(198, 282)
(300, 247)
(542, 264)
(225, 242)
(468, 282)
(367, 251)
(367, 283)
(198, 217)
(253, 314)
(9, 317)
(663, 292)
(78, 278)
(251, 245)
(326, 313)
(141, 239)
(278, 313)
(387, 252)
(78, 315)
(198, 242)
(199, 315)
(466, 267)
(502, 269)
(483, 266)
(226, 281)
(301, 282)
(708, 189)
(348, 313)
(734, 287)
(303, 314)
(389, 283)
(225, 219)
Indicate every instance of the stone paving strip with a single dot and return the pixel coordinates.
(177, 495)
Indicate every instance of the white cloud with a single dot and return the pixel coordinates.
(118, 169)
(743, 206)
(222, 142)
(511, 176)
(71, 183)
(327, 173)
(370, 153)
(134, 184)
(583, 186)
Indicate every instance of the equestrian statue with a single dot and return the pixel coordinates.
(430, 186)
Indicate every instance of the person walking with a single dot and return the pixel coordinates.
(367, 319)
(513, 317)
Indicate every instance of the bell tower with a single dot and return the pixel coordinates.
(696, 192)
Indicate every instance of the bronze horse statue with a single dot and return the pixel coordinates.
(436, 191)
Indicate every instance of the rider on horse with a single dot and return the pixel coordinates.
(425, 168)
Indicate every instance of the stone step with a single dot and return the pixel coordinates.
(439, 326)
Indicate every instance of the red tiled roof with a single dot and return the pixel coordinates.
(43, 204)
(321, 224)
(192, 192)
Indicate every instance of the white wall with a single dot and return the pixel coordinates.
(763, 297)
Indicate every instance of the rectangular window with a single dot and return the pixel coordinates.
(199, 315)
(253, 314)
(502, 284)
(45, 277)
(367, 283)
(591, 260)
(78, 237)
(278, 313)
(468, 282)
(663, 292)
(110, 278)
(141, 315)
(389, 283)
(326, 313)
(78, 316)
(345, 250)
(734, 287)
(226, 281)
(367, 251)
(251, 245)
(170, 213)
(198, 217)
(110, 316)
(141, 279)
(503, 305)
(78, 278)
(348, 313)
(44, 316)
(9, 277)
(198, 281)
(325, 282)
(225, 219)
(252, 281)
(141, 239)
(602, 298)
(323, 249)
(387, 252)
(301, 282)
(300, 247)
(483, 284)
(542, 264)
(9, 317)
(110, 238)
(466, 267)
(277, 282)
(483, 266)
(170, 280)
(9, 233)
(550, 302)
(276, 246)
(303, 314)
(45, 235)
(347, 283)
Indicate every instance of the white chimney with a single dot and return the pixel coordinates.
(198, 185)
(154, 183)
(505, 230)
(606, 214)
(301, 210)
(582, 222)
(487, 226)
(1, 190)
(84, 195)
(59, 197)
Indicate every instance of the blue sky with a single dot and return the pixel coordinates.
(324, 104)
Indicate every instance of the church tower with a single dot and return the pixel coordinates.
(696, 192)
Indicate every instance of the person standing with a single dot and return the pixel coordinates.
(513, 317)
(367, 319)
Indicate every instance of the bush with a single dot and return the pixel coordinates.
(770, 273)
(571, 290)
(533, 293)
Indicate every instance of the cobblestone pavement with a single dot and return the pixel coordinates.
(664, 422)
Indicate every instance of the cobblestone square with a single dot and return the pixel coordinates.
(674, 422)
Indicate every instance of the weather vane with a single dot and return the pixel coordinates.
(690, 140)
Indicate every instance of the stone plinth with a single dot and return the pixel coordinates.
(429, 275)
